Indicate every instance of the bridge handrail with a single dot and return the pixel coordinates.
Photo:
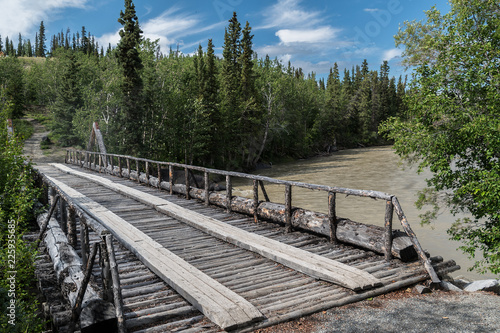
(392, 203)
(335, 189)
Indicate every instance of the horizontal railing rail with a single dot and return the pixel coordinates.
(120, 163)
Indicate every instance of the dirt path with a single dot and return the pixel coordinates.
(33, 150)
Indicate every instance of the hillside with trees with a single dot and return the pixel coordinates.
(230, 112)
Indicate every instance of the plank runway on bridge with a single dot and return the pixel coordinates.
(267, 291)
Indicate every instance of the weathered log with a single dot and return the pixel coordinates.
(363, 235)
(96, 313)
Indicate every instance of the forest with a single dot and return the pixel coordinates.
(228, 112)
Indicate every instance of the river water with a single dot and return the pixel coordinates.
(376, 169)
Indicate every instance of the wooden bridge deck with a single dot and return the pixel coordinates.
(267, 291)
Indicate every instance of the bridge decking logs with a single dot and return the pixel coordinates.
(96, 313)
(224, 307)
(300, 260)
(366, 236)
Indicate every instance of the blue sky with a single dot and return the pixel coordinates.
(311, 34)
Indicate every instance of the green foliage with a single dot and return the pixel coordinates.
(17, 195)
(227, 113)
(452, 125)
(11, 81)
(68, 99)
(132, 85)
(23, 128)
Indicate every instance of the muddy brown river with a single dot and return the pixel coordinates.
(368, 169)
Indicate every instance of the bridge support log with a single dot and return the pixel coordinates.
(96, 315)
(366, 236)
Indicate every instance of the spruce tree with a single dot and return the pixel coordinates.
(20, 48)
(7, 46)
(230, 89)
(40, 51)
(128, 57)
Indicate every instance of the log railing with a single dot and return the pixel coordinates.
(149, 172)
(68, 211)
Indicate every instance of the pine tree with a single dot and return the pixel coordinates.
(20, 48)
(1, 44)
(211, 102)
(330, 118)
(250, 106)
(245, 59)
(29, 49)
(7, 45)
(84, 40)
(128, 57)
(40, 51)
(230, 89)
(12, 51)
(385, 97)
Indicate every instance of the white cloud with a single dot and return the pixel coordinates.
(319, 35)
(170, 27)
(24, 16)
(371, 10)
(288, 13)
(391, 54)
(303, 35)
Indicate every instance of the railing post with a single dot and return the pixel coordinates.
(53, 203)
(288, 208)
(171, 178)
(414, 240)
(84, 239)
(229, 193)
(128, 168)
(138, 172)
(64, 216)
(389, 211)
(186, 178)
(111, 164)
(332, 216)
(120, 166)
(94, 157)
(207, 192)
(76, 311)
(117, 293)
(255, 200)
(107, 283)
(72, 227)
(100, 162)
(159, 176)
(147, 173)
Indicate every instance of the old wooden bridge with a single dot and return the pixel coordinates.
(174, 255)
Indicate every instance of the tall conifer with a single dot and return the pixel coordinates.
(128, 57)
(40, 50)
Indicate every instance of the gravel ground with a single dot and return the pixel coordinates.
(404, 311)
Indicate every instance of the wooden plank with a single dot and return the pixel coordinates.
(300, 260)
(224, 307)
